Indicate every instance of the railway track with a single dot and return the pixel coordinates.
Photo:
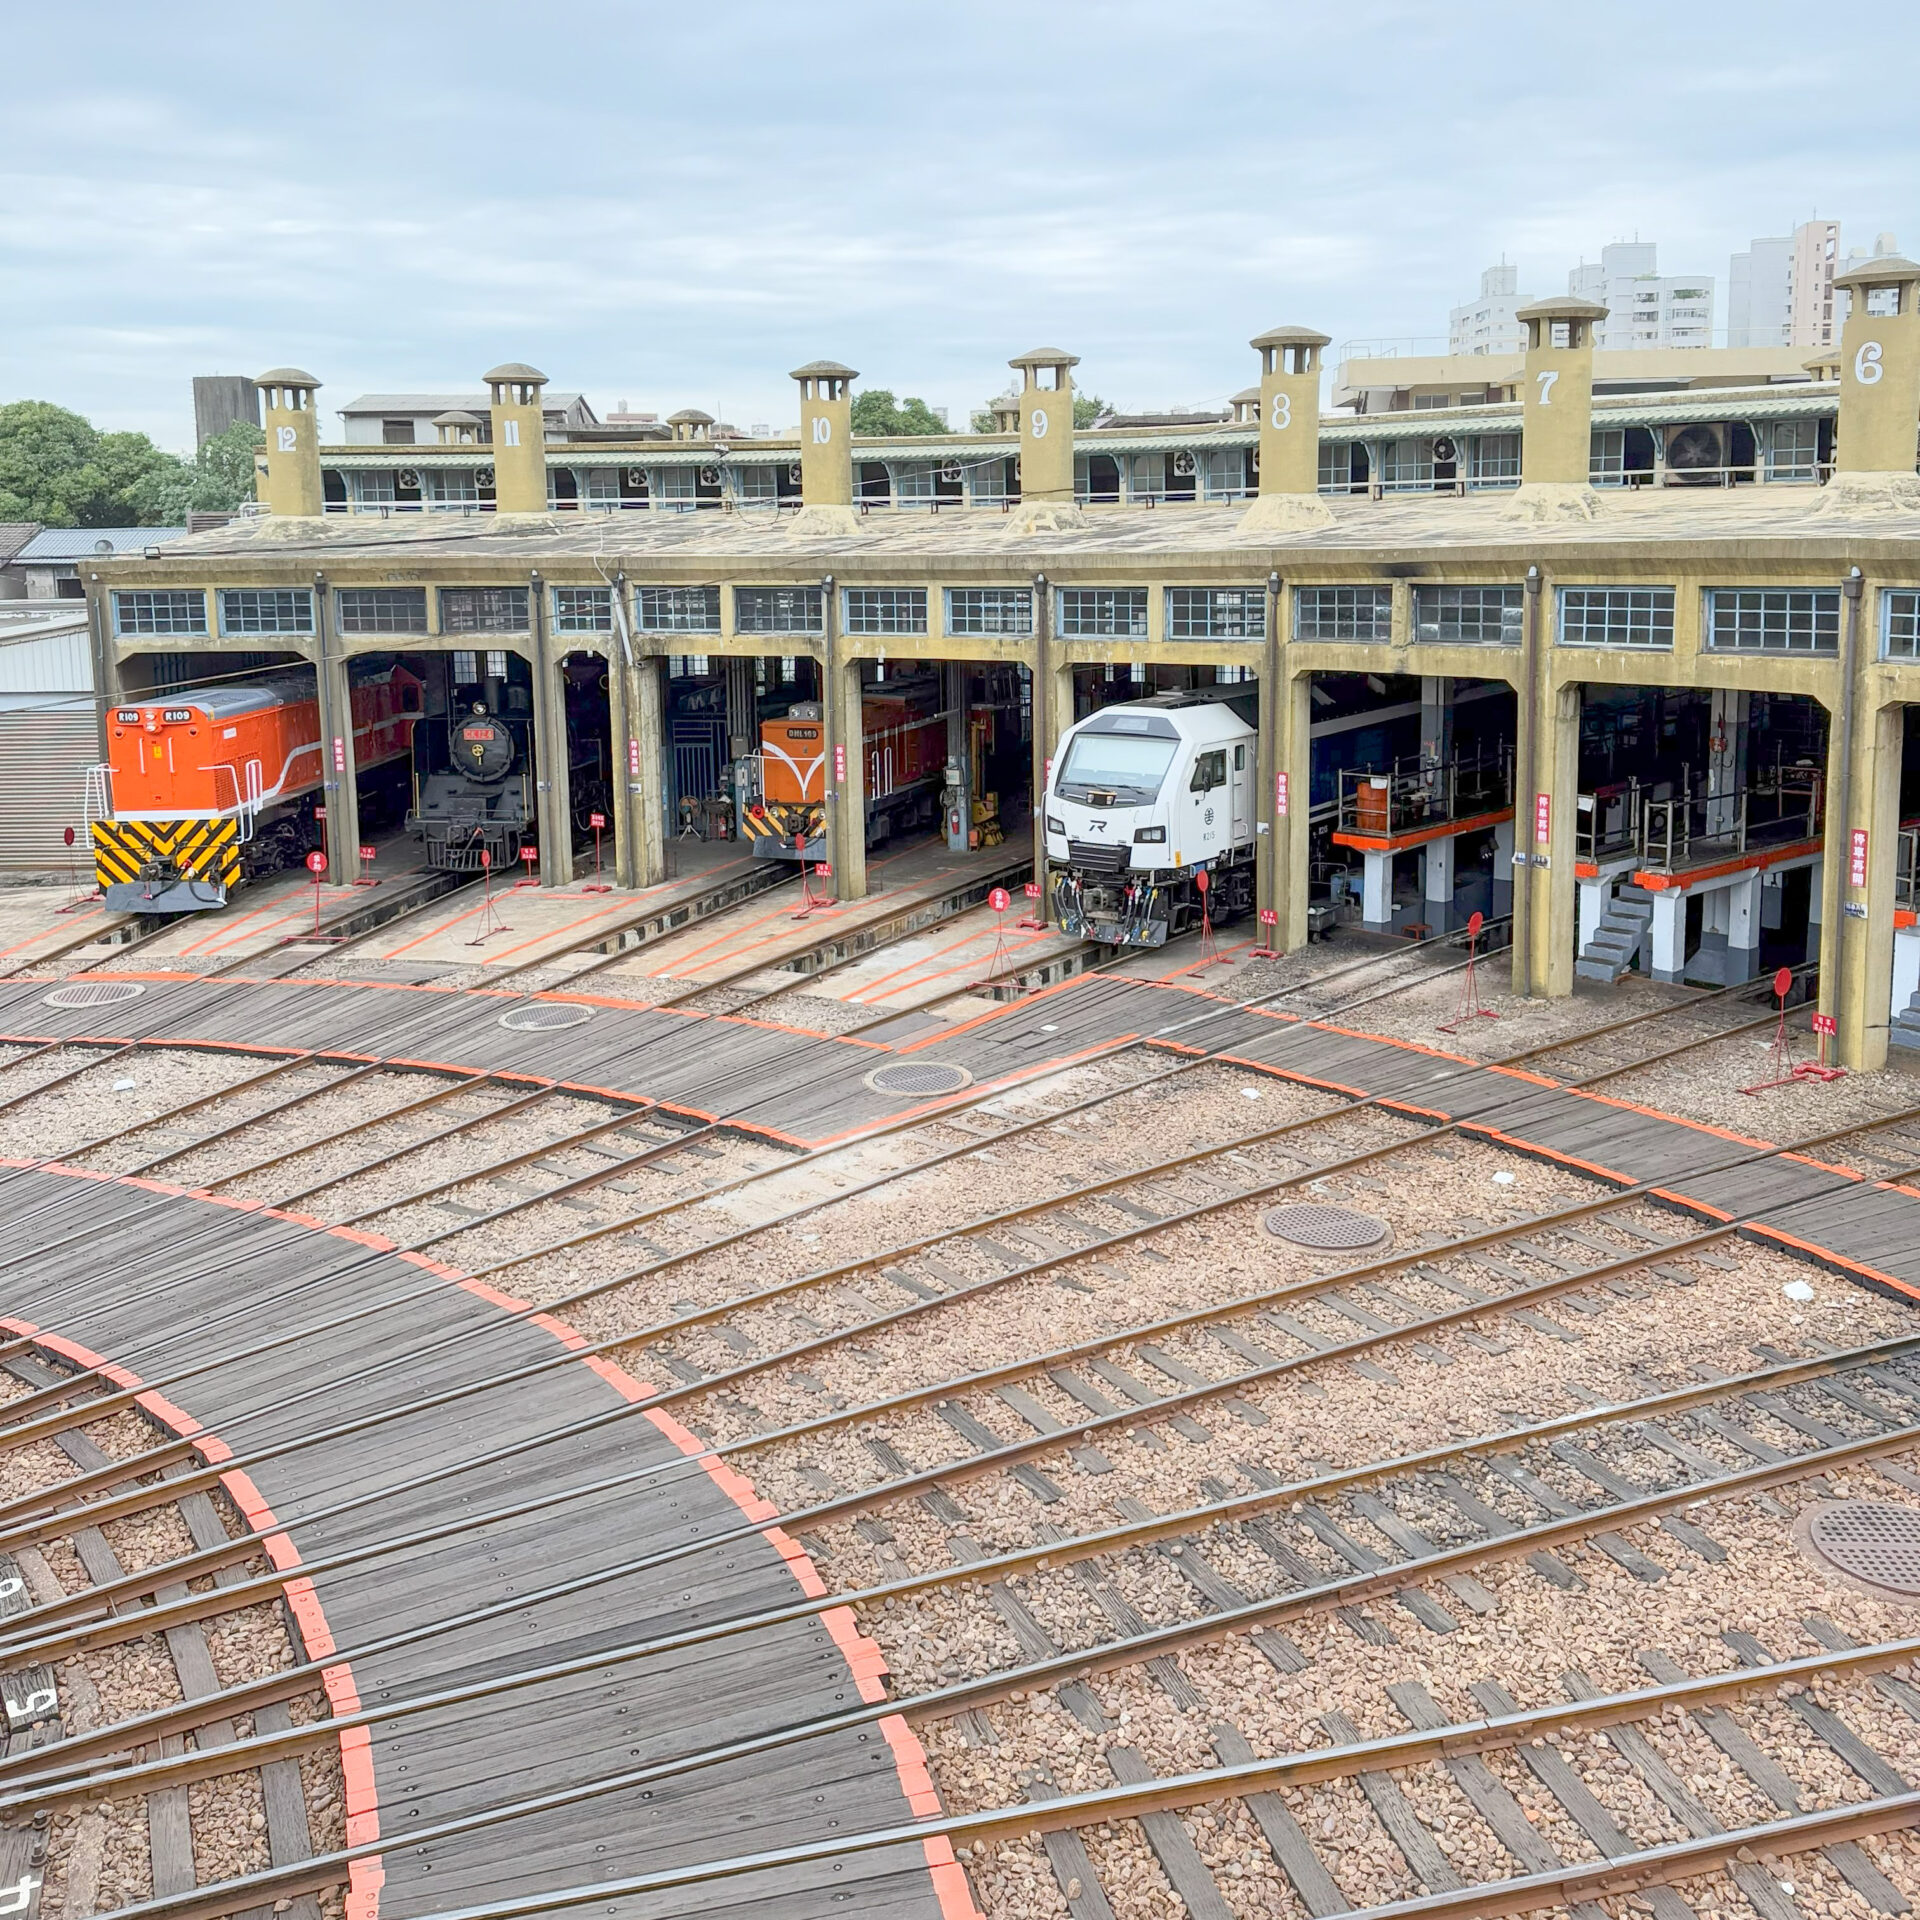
(1046, 1543)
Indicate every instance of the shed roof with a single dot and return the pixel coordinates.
(54, 545)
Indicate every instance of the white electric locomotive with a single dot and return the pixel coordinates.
(1143, 798)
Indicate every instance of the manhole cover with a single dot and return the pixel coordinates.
(546, 1016)
(1327, 1229)
(94, 993)
(919, 1076)
(1872, 1540)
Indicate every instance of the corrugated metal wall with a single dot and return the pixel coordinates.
(45, 752)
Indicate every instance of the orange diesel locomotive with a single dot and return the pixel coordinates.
(210, 785)
(905, 747)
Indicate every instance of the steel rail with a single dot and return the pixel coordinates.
(85, 1603)
(1231, 1781)
(287, 1683)
(177, 1450)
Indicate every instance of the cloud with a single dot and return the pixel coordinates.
(679, 206)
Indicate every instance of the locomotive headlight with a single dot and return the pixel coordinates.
(1149, 836)
(1055, 826)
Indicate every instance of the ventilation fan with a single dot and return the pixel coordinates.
(408, 477)
(793, 473)
(709, 476)
(1693, 449)
(483, 477)
(637, 479)
(1445, 450)
(1183, 463)
(950, 473)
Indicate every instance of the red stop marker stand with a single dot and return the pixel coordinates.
(1269, 923)
(597, 821)
(1784, 1071)
(78, 896)
(1029, 922)
(490, 921)
(999, 900)
(811, 902)
(316, 865)
(1470, 1007)
(1208, 951)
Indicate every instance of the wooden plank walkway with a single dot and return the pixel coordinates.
(165, 1310)
(809, 1090)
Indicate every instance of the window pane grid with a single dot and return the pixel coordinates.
(266, 610)
(1616, 616)
(383, 609)
(483, 609)
(1901, 617)
(1104, 610)
(583, 609)
(1343, 613)
(678, 609)
(886, 610)
(1216, 613)
(989, 610)
(1468, 616)
(779, 610)
(1774, 619)
(160, 612)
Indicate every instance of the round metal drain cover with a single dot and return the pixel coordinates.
(1872, 1540)
(546, 1016)
(1327, 1229)
(94, 993)
(919, 1076)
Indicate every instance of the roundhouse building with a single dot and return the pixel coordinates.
(1636, 668)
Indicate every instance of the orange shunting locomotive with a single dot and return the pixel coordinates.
(207, 786)
(904, 749)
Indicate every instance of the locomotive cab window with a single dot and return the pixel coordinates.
(1128, 766)
(1209, 771)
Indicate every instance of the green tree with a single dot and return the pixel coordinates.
(216, 480)
(876, 411)
(1087, 408)
(55, 467)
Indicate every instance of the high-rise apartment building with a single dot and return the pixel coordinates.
(1780, 291)
(1487, 325)
(1644, 307)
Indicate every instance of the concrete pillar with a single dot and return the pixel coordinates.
(1553, 909)
(550, 771)
(1556, 392)
(847, 805)
(287, 468)
(620, 815)
(958, 824)
(1865, 939)
(1376, 892)
(1438, 884)
(1742, 916)
(519, 438)
(1817, 916)
(1270, 861)
(1669, 934)
(1294, 754)
(1042, 702)
(1595, 897)
(1879, 373)
(646, 784)
(340, 785)
(1436, 717)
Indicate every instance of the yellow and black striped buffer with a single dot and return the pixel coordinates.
(193, 849)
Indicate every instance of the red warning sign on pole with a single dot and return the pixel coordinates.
(1542, 818)
(1825, 1025)
(339, 754)
(1857, 857)
(1280, 795)
(999, 899)
(633, 758)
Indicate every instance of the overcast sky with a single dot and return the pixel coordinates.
(675, 204)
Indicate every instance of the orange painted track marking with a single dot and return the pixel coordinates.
(1012, 941)
(93, 913)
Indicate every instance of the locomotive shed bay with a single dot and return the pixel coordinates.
(693, 1400)
(700, 1454)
